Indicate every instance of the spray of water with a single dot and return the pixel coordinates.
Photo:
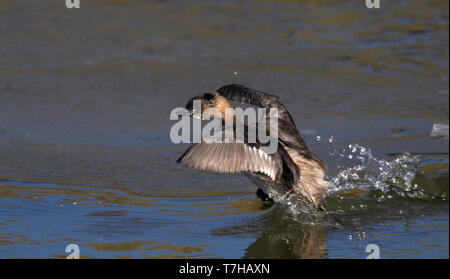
(359, 169)
(369, 172)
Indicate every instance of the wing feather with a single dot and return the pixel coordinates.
(231, 158)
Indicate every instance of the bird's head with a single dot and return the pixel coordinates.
(209, 100)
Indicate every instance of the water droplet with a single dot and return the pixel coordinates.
(318, 138)
(378, 173)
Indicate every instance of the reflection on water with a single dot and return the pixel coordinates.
(40, 219)
(84, 122)
(111, 220)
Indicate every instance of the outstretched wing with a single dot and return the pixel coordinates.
(231, 158)
(291, 143)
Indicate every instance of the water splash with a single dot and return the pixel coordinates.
(370, 172)
(305, 213)
(358, 169)
(299, 211)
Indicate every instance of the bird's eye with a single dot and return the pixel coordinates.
(208, 96)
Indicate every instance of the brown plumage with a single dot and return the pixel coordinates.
(291, 169)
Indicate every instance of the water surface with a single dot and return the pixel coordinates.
(85, 154)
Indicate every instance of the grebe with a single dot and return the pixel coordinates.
(292, 169)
